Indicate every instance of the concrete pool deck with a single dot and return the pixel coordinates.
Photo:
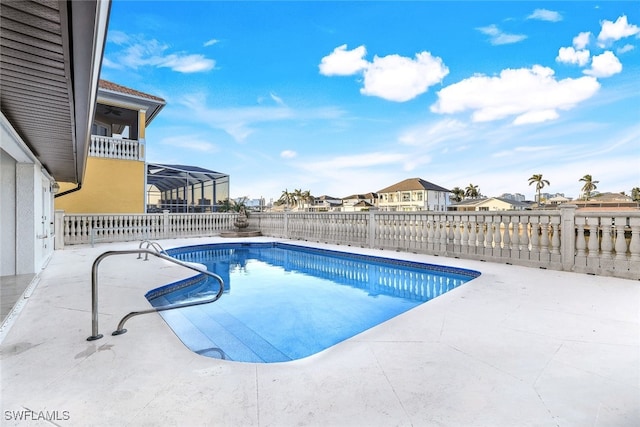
(515, 347)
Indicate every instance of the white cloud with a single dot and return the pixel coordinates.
(118, 37)
(288, 154)
(106, 62)
(237, 122)
(525, 149)
(398, 78)
(582, 40)
(624, 49)
(604, 65)
(343, 62)
(569, 55)
(531, 95)
(138, 52)
(433, 134)
(241, 122)
(545, 15)
(355, 161)
(186, 63)
(538, 116)
(499, 37)
(392, 77)
(190, 142)
(613, 31)
(277, 99)
(211, 42)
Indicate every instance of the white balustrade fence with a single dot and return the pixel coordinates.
(115, 148)
(593, 242)
(90, 228)
(597, 242)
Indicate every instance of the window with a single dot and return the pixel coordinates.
(406, 197)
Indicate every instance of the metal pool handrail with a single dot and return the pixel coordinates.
(154, 245)
(94, 290)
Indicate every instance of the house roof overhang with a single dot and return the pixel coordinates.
(50, 64)
(123, 97)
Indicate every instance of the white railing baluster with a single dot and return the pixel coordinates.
(515, 237)
(544, 238)
(634, 244)
(621, 258)
(473, 237)
(115, 148)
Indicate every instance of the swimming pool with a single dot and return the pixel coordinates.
(284, 302)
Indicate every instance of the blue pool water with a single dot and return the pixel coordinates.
(284, 302)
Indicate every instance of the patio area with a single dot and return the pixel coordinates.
(517, 346)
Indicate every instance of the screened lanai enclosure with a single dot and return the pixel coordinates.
(179, 188)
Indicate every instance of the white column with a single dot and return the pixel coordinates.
(59, 230)
(25, 218)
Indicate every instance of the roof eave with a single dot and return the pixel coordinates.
(88, 37)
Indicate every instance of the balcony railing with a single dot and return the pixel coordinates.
(592, 242)
(116, 148)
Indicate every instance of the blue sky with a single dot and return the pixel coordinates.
(350, 97)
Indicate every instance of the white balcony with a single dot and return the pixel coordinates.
(116, 148)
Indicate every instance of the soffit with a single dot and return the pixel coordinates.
(49, 71)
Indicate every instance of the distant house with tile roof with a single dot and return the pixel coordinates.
(607, 201)
(325, 203)
(490, 204)
(413, 194)
(360, 202)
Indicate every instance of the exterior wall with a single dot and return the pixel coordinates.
(26, 217)
(110, 186)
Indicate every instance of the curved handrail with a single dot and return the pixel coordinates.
(94, 290)
(154, 245)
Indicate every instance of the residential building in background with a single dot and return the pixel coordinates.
(119, 179)
(360, 202)
(116, 163)
(490, 204)
(413, 194)
(324, 203)
(517, 197)
(607, 201)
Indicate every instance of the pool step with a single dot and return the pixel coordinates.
(225, 336)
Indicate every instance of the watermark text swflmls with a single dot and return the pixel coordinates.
(31, 415)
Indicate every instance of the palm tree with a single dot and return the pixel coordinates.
(297, 195)
(540, 183)
(472, 191)
(589, 186)
(458, 194)
(635, 194)
(229, 205)
(286, 198)
(307, 197)
(240, 204)
(225, 205)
